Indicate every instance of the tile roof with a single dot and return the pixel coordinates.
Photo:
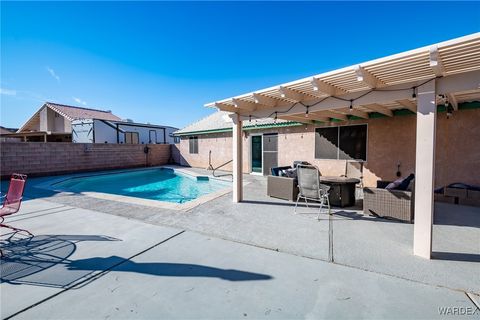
(4, 130)
(72, 113)
(220, 120)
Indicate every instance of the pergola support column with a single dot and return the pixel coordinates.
(237, 158)
(425, 169)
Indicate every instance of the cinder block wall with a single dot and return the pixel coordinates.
(39, 159)
(159, 154)
(390, 141)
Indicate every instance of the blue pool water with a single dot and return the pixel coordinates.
(157, 184)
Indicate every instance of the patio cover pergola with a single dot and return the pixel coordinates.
(445, 73)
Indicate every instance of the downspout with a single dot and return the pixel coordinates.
(146, 149)
(93, 131)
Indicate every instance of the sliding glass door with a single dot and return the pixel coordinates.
(264, 152)
(257, 154)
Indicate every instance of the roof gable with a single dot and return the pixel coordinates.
(71, 113)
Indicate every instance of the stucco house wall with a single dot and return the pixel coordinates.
(220, 144)
(390, 141)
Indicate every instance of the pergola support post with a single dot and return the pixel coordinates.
(425, 169)
(237, 158)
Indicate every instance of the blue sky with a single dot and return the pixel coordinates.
(160, 62)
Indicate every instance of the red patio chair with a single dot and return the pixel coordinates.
(13, 199)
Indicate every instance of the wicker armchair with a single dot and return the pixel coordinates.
(282, 188)
(394, 204)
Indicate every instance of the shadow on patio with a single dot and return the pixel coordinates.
(166, 269)
(45, 261)
(40, 260)
(348, 213)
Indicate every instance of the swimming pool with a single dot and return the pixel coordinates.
(161, 184)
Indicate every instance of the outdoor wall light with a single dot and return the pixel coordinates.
(449, 110)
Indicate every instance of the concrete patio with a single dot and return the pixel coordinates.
(93, 258)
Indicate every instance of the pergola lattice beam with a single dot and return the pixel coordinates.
(297, 119)
(225, 107)
(291, 94)
(317, 117)
(357, 113)
(368, 78)
(408, 105)
(453, 101)
(330, 114)
(264, 100)
(380, 109)
(245, 105)
(325, 88)
(436, 62)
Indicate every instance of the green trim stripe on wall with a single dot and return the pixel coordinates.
(245, 128)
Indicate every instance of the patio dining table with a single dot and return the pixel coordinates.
(342, 192)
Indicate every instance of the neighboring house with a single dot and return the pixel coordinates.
(53, 122)
(5, 132)
(106, 131)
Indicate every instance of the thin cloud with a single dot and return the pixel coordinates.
(53, 74)
(8, 92)
(79, 101)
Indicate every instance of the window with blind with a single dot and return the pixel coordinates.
(343, 143)
(193, 145)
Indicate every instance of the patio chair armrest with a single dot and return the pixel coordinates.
(402, 193)
(14, 200)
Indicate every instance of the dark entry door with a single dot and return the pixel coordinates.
(270, 152)
(257, 154)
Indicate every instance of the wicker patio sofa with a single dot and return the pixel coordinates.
(392, 204)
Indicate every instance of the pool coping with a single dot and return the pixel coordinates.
(50, 185)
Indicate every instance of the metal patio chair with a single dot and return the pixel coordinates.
(13, 199)
(311, 188)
